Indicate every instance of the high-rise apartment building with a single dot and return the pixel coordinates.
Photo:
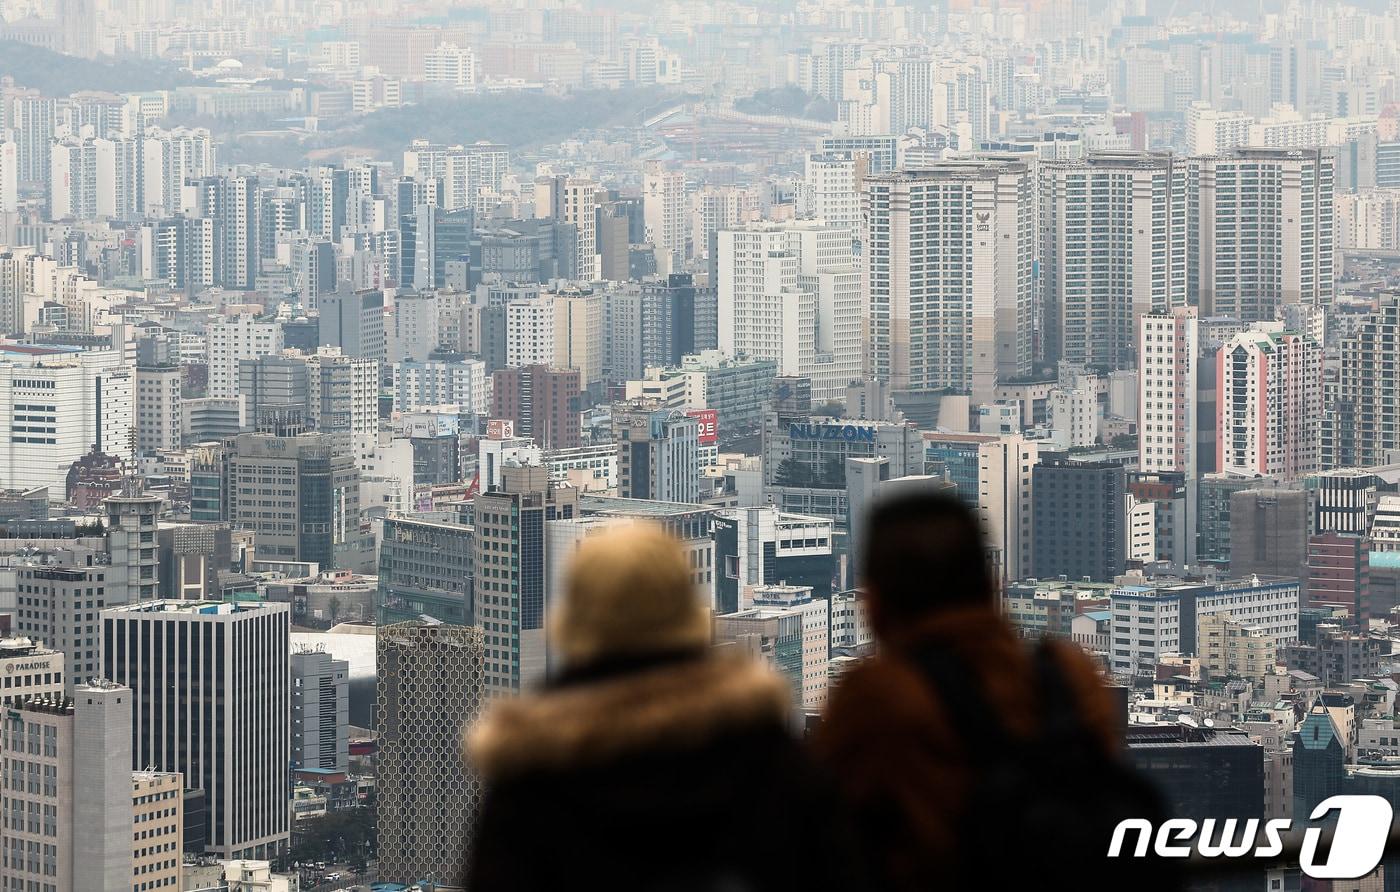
(664, 212)
(1362, 424)
(510, 571)
(1168, 354)
(56, 404)
(432, 682)
(948, 253)
(1113, 248)
(1269, 400)
(210, 687)
(578, 335)
(1265, 232)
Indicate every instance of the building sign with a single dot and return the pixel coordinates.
(851, 433)
(709, 425)
(25, 667)
(500, 428)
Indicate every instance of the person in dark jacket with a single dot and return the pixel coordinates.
(905, 762)
(650, 762)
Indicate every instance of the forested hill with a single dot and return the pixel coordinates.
(55, 74)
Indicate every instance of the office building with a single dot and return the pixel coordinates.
(758, 546)
(440, 382)
(1344, 501)
(320, 711)
(29, 670)
(1229, 648)
(159, 411)
(804, 461)
(578, 335)
(1319, 754)
(658, 453)
(1113, 248)
(510, 561)
(1339, 573)
(354, 322)
(210, 687)
(56, 404)
(1265, 229)
(668, 332)
(426, 569)
(946, 310)
(297, 495)
(542, 401)
(1269, 399)
(766, 629)
(431, 685)
(664, 213)
(77, 832)
(232, 340)
(1201, 772)
(1078, 525)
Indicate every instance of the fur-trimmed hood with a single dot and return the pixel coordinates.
(675, 704)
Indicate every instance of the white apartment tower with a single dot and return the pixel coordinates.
(948, 253)
(233, 339)
(1269, 401)
(573, 200)
(1168, 352)
(1113, 247)
(1266, 226)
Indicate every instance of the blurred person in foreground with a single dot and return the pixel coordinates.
(967, 755)
(649, 763)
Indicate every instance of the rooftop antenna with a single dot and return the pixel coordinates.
(132, 482)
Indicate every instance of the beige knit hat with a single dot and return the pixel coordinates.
(629, 593)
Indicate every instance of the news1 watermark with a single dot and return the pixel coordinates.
(1360, 826)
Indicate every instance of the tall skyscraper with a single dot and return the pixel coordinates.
(948, 272)
(1270, 403)
(1266, 223)
(510, 571)
(210, 684)
(1113, 248)
(431, 684)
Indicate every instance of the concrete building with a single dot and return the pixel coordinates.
(542, 401)
(1269, 399)
(1269, 532)
(511, 560)
(1113, 248)
(764, 546)
(56, 404)
(440, 383)
(573, 200)
(29, 670)
(1079, 518)
(354, 322)
(1266, 222)
(1361, 428)
(1232, 649)
(234, 339)
(426, 569)
(658, 453)
(320, 711)
(229, 739)
(779, 636)
(300, 499)
(431, 684)
(159, 414)
(815, 614)
(157, 830)
(78, 833)
(1167, 391)
(947, 311)
(664, 212)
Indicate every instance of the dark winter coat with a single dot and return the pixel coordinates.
(673, 775)
(904, 766)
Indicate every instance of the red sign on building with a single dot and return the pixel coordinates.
(709, 425)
